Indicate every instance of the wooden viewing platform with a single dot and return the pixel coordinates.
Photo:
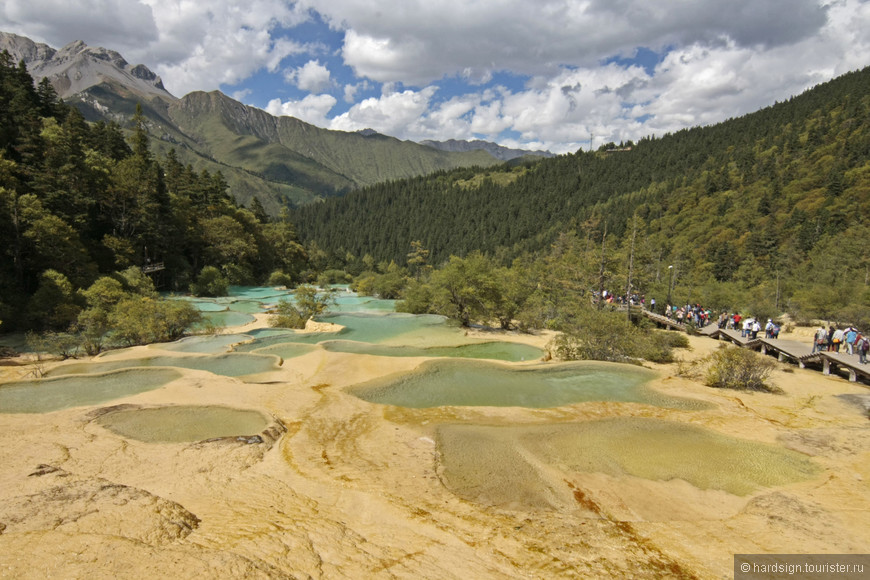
(786, 350)
(155, 267)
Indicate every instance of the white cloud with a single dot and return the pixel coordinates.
(396, 113)
(312, 109)
(419, 41)
(192, 45)
(311, 77)
(118, 23)
(436, 62)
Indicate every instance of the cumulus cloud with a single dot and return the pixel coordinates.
(312, 77)
(312, 109)
(192, 45)
(438, 63)
(701, 82)
(118, 24)
(419, 41)
(394, 113)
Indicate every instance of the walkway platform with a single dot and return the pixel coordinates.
(785, 350)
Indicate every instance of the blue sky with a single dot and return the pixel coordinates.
(549, 74)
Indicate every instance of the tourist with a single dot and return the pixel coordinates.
(756, 328)
(768, 328)
(863, 345)
(839, 336)
(830, 339)
(851, 337)
(820, 340)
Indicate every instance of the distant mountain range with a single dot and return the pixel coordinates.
(280, 160)
(497, 151)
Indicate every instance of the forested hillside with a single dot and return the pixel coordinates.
(78, 201)
(776, 201)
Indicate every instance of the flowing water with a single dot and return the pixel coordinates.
(183, 423)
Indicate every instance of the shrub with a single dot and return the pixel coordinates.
(279, 278)
(308, 304)
(287, 316)
(142, 320)
(672, 339)
(210, 282)
(333, 277)
(599, 335)
(738, 368)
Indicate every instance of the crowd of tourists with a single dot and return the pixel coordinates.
(831, 339)
(850, 338)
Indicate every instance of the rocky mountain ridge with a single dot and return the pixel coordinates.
(77, 67)
(498, 151)
(279, 160)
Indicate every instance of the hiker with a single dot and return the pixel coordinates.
(820, 340)
(756, 328)
(768, 329)
(863, 345)
(851, 337)
(837, 339)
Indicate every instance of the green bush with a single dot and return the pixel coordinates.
(279, 278)
(143, 320)
(308, 303)
(287, 316)
(672, 338)
(210, 282)
(739, 368)
(599, 335)
(333, 277)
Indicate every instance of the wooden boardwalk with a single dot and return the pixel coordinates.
(786, 350)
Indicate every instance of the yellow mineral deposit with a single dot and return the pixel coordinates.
(309, 480)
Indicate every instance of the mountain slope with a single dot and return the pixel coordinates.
(280, 160)
(497, 151)
(748, 199)
(231, 132)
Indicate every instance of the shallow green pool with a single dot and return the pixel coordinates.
(204, 344)
(493, 463)
(183, 423)
(477, 383)
(54, 394)
(505, 351)
(228, 365)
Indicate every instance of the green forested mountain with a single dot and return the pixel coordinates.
(80, 201)
(777, 201)
(281, 161)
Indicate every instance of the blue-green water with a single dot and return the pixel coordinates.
(46, 395)
(465, 383)
(228, 318)
(504, 351)
(287, 350)
(425, 329)
(213, 344)
(228, 365)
